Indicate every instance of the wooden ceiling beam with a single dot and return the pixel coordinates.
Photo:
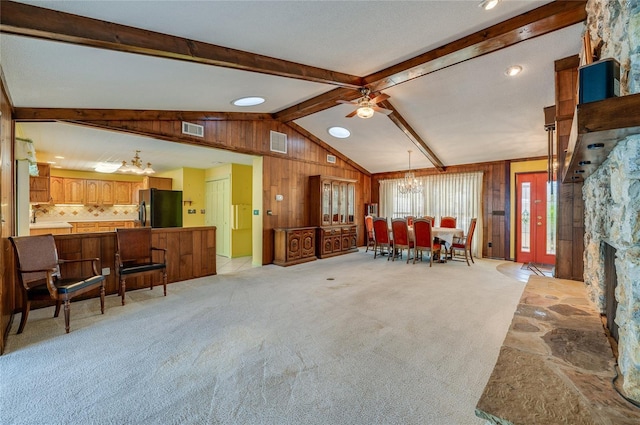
(540, 21)
(73, 114)
(319, 103)
(32, 21)
(404, 126)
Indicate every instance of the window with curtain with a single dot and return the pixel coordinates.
(457, 195)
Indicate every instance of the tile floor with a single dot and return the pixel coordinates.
(226, 265)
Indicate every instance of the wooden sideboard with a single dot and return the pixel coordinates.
(294, 245)
(336, 240)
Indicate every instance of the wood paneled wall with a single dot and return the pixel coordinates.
(570, 236)
(7, 211)
(191, 253)
(495, 201)
(283, 174)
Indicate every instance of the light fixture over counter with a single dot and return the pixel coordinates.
(136, 166)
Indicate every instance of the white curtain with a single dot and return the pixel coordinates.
(457, 195)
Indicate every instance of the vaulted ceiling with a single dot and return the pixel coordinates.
(441, 62)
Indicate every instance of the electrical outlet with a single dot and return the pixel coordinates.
(106, 271)
(489, 244)
(201, 211)
(191, 211)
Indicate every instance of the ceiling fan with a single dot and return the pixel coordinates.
(366, 106)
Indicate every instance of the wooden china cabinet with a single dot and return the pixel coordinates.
(294, 245)
(332, 209)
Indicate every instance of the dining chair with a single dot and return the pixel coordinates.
(449, 222)
(41, 280)
(381, 236)
(464, 244)
(409, 219)
(423, 239)
(134, 256)
(401, 238)
(371, 239)
(432, 218)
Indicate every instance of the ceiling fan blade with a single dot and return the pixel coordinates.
(355, 111)
(346, 102)
(380, 98)
(382, 110)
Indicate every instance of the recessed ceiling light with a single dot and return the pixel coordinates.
(514, 70)
(51, 162)
(107, 167)
(339, 132)
(59, 157)
(489, 4)
(248, 101)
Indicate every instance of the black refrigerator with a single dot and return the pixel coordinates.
(160, 208)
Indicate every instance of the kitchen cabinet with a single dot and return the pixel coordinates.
(39, 186)
(100, 226)
(123, 192)
(136, 187)
(99, 192)
(56, 185)
(162, 183)
(294, 245)
(74, 191)
(332, 209)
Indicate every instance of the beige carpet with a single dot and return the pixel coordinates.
(348, 340)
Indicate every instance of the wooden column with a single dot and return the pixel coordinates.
(570, 231)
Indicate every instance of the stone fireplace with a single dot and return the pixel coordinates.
(612, 193)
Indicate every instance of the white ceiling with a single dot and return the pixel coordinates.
(467, 113)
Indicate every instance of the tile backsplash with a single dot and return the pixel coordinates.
(46, 213)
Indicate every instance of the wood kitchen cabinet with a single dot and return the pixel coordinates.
(332, 209)
(99, 192)
(74, 191)
(123, 192)
(39, 186)
(136, 187)
(294, 245)
(162, 183)
(100, 226)
(57, 190)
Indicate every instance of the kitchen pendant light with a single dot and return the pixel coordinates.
(136, 166)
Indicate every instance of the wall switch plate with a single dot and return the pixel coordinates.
(201, 211)
(256, 212)
(106, 271)
(191, 211)
(269, 212)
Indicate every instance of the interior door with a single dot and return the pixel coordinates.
(535, 219)
(218, 213)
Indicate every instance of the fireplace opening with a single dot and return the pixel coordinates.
(611, 281)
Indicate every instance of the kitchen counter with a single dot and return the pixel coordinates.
(50, 225)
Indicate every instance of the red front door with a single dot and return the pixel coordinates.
(535, 219)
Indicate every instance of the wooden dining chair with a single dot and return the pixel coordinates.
(409, 219)
(134, 256)
(449, 222)
(371, 239)
(381, 236)
(432, 218)
(41, 280)
(464, 244)
(401, 238)
(423, 240)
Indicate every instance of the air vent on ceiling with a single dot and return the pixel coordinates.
(192, 129)
(331, 159)
(278, 142)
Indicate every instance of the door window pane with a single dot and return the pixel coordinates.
(551, 219)
(525, 218)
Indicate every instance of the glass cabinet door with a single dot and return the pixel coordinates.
(351, 203)
(335, 203)
(326, 203)
(343, 203)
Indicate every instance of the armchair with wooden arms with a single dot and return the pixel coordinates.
(464, 243)
(134, 256)
(40, 277)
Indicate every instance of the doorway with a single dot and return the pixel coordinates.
(218, 202)
(535, 219)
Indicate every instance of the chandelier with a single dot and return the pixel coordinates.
(410, 184)
(136, 166)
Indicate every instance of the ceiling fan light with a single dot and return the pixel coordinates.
(365, 112)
